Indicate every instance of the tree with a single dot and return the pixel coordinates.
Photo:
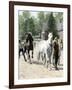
(52, 25)
(41, 20)
(26, 15)
(36, 25)
(31, 26)
(59, 16)
(23, 20)
(21, 23)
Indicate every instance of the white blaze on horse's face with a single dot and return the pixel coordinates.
(50, 35)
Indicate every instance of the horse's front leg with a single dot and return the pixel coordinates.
(29, 56)
(32, 53)
(24, 57)
(45, 60)
(48, 62)
(50, 67)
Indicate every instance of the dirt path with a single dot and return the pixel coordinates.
(37, 70)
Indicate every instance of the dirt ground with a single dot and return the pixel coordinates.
(37, 69)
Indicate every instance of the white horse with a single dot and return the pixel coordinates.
(45, 49)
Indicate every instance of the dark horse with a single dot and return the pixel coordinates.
(22, 49)
(29, 45)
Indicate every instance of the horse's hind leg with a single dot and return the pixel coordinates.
(23, 52)
(44, 59)
(24, 57)
(38, 57)
(47, 61)
(42, 56)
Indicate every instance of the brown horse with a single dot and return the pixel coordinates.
(29, 45)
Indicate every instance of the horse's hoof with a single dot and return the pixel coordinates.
(30, 62)
(56, 68)
(50, 69)
(32, 56)
(25, 60)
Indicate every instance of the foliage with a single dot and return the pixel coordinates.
(52, 25)
(43, 21)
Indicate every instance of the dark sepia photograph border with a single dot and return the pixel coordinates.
(11, 44)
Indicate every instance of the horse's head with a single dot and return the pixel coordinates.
(50, 35)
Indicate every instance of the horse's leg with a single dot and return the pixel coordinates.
(19, 53)
(38, 56)
(56, 61)
(20, 50)
(32, 53)
(24, 51)
(29, 56)
(47, 62)
(53, 60)
(44, 58)
(24, 56)
(50, 62)
(50, 59)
